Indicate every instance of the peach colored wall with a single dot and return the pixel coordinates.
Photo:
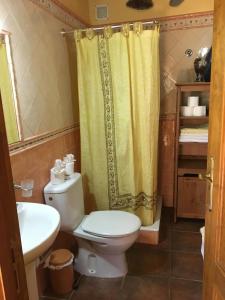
(41, 65)
(36, 162)
(119, 12)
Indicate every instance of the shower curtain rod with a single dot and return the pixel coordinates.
(63, 32)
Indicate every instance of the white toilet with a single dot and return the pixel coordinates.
(103, 236)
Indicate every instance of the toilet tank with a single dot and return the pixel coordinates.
(67, 198)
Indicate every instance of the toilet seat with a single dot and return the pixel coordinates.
(111, 223)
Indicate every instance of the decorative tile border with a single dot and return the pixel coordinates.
(42, 138)
(60, 12)
(179, 22)
(197, 20)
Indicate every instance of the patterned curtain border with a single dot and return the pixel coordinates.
(116, 200)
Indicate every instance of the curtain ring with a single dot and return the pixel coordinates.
(126, 30)
(90, 33)
(108, 32)
(78, 35)
(138, 28)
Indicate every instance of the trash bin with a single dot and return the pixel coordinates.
(61, 271)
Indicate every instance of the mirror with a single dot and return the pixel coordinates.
(8, 91)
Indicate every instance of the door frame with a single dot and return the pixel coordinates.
(214, 277)
(12, 271)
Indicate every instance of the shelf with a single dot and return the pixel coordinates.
(191, 166)
(194, 83)
(194, 86)
(194, 120)
(205, 118)
(193, 149)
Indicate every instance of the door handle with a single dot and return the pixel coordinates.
(209, 178)
(206, 176)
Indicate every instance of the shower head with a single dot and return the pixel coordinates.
(175, 2)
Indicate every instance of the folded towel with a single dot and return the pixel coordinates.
(195, 129)
(193, 139)
(195, 134)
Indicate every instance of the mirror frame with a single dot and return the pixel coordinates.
(5, 35)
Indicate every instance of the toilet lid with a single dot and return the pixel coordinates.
(111, 223)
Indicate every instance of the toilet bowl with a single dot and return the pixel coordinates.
(103, 236)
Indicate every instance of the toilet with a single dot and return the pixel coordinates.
(103, 236)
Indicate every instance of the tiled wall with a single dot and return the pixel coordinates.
(35, 162)
(178, 34)
(41, 63)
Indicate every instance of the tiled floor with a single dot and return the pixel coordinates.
(171, 270)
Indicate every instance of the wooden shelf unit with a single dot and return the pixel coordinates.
(190, 157)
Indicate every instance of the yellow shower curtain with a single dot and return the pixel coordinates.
(7, 97)
(118, 79)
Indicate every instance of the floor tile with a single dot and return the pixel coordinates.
(187, 225)
(187, 265)
(143, 260)
(167, 215)
(141, 288)
(185, 290)
(98, 289)
(186, 241)
(57, 297)
(171, 270)
(165, 238)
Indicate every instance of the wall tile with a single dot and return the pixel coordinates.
(35, 163)
(175, 65)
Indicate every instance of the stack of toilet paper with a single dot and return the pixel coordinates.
(193, 109)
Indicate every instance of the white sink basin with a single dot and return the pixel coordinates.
(39, 225)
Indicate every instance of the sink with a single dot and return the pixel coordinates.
(39, 225)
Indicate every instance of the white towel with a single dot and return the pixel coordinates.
(200, 129)
(185, 138)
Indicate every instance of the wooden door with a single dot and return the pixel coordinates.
(12, 273)
(214, 264)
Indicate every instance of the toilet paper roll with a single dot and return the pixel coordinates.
(186, 111)
(193, 101)
(199, 111)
